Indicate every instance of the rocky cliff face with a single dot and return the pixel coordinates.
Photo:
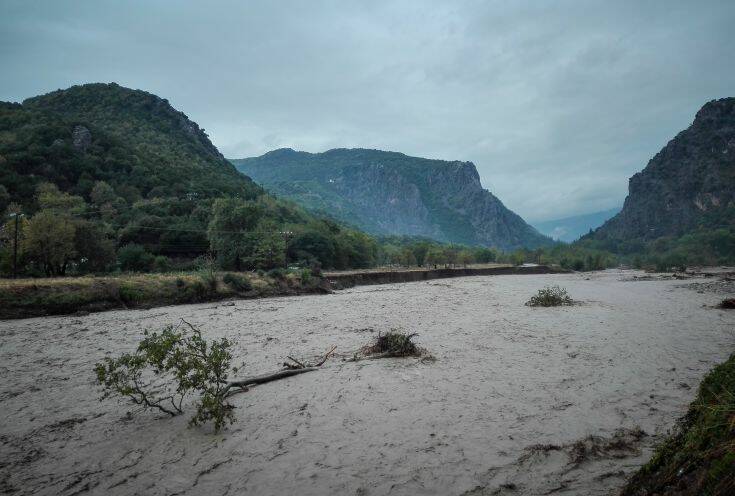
(391, 193)
(689, 183)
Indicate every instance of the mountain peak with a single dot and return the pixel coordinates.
(716, 113)
(689, 184)
(113, 107)
(164, 149)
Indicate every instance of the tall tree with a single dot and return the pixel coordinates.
(269, 247)
(50, 241)
(231, 229)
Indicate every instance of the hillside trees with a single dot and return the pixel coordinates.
(50, 241)
(12, 246)
(55, 238)
(230, 231)
(4, 198)
(268, 246)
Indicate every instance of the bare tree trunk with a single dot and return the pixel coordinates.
(262, 379)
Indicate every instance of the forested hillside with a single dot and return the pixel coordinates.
(103, 176)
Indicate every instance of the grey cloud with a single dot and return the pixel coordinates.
(557, 103)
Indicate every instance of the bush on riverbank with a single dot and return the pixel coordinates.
(237, 282)
(699, 458)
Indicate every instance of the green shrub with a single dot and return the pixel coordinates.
(277, 273)
(162, 264)
(237, 282)
(134, 258)
(196, 291)
(130, 295)
(550, 296)
(208, 272)
(306, 277)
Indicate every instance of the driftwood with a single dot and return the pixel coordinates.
(300, 365)
(262, 379)
(288, 371)
(326, 356)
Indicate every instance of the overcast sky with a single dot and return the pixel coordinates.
(557, 103)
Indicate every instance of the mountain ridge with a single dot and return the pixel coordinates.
(391, 193)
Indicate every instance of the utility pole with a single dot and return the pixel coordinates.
(286, 235)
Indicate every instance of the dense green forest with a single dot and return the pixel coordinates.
(99, 178)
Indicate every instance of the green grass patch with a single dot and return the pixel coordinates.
(239, 283)
(699, 458)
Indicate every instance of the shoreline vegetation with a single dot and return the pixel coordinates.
(26, 298)
(699, 456)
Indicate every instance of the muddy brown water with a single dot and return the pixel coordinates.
(519, 401)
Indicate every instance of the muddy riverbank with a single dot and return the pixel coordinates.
(25, 298)
(519, 401)
(350, 279)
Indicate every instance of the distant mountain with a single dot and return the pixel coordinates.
(689, 184)
(391, 193)
(570, 229)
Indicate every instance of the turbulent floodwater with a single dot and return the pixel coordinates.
(519, 401)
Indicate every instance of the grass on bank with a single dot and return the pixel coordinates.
(699, 458)
(20, 298)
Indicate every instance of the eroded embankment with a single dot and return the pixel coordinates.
(64, 296)
(74, 295)
(352, 279)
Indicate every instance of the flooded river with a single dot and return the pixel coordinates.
(519, 400)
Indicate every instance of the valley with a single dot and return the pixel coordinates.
(367, 248)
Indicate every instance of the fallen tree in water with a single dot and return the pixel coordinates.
(168, 366)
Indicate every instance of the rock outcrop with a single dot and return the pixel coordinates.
(81, 138)
(688, 184)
